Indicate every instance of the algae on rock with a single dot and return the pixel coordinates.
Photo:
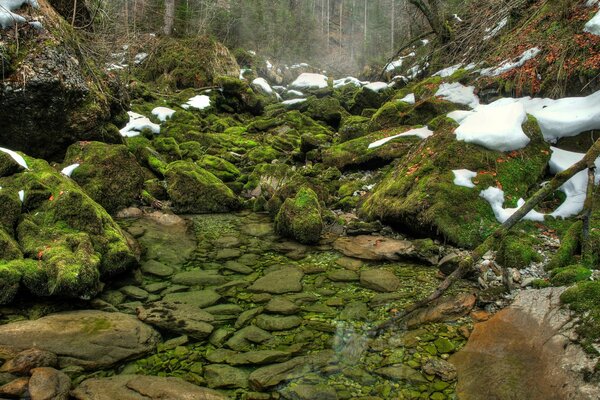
(300, 217)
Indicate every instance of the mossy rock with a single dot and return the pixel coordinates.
(9, 249)
(517, 251)
(419, 194)
(222, 169)
(356, 154)
(300, 217)
(193, 62)
(369, 99)
(68, 242)
(353, 127)
(167, 147)
(327, 109)
(396, 113)
(193, 189)
(109, 174)
(570, 274)
(570, 243)
(584, 299)
(8, 165)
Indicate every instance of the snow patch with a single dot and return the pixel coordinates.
(293, 101)
(446, 72)
(462, 177)
(140, 58)
(593, 25)
(163, 113)
(262, 85)
(295, 93)
(137, 123)
(398, 63)
(491, 32)
(495, 197)
(242, 72)
(496, 128)
(376, 86)
(508, 65)
(15, 156)
(67, 171)
(349, 80)
(199, 102)
(22, 195)
(409, 98)
(310, 81)
(458, 93)
(422, 133)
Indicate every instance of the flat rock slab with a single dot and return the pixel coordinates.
(90, 339)
(199, 278)
(285, 280)
(138, 387)
(381, 280)
(367, 247)
(444, 309)
(197, 298)
(276, 323)
(523, 352)
(179, 318)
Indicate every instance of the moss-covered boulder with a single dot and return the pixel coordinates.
(353, 127)
(50, 94)
(395, 113)
(420, 196)
(193, 62)
(109, 174)
(238, 96)
(8, 165)
(64, 243)
(300, 217)
(193, 189)
(327, 109)
(222, 169)
(366, 98)
(356, 154)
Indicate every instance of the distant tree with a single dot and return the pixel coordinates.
(431, 10)
(169, 15)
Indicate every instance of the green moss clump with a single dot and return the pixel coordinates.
(167, 147)
(300, 217)
(109, 174)
(569, 245)
(369, 99)
(195, 190)
(263, 154)
(570, 274)
(222, 169)
(327, 109)
(9, 249)
(517, 251)
(10, 279)
(8, 165)
(353, 127)
(584, 298)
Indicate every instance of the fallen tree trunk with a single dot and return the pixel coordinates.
(467, 264)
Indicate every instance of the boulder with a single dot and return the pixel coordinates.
(300, 217)
(180, 318)
(382, 280)
(48, 95)
(49, 384)
(276, 323)
(29, 359)
(225, 376)
(88, 339)
(285, 280)
(374, 248)
(109, 174)
(444, 309)
(139, 387)
(195, 190)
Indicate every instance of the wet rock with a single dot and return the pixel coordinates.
(283, 281)
(28, 359)
(134, 292)
(158, 269)
(89, 339)
(197, 298)
(49, 384)
(281, 305)
(311, 392)
(445, 370)
(243, 338)
(258, 229)
(381, 280)
(180, 318)
(342, 275)
(274, 323)
(225, 309)
(258, 357)
(402, 373)
(350, 263)
(225, 376)
(374, 248)
(247, 316)
(443, 310)
(269, 376)
(199, 278)
(16, 388)
(300, 218)
(138, 387)
(237, 267)
(227, 254)
(357, 311)
(524, 351)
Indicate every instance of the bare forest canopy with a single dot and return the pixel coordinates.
(337, 35)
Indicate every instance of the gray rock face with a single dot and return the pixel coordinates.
(381, 280)
(285, 280)
(524, 351)
(49, 384)
(180, 318)
(89, 339)
(138, 387)
(28, 359)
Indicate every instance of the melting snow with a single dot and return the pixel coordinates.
(199, 102)
(139, 58)
(242, 72)
(496, 128)
(163, 113)
(295, 93)
(409, 98)
(16, 156)
(458, 93)
(22, 195)
(422, 133)
(508, 65)
(491, 32)
(462, 177)
(7, 17)
(495, 197)
(376, 86)
(293, 101)
(446, 72)
(338, 83)
(398, 63)
(136, 124)
(593, 25)
(262, 85)
(310, 81)
(69, 170)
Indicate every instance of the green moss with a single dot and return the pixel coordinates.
(353, 127)
(10, 279)
(300, 217)
(540, 283)
(327, 109)
(570, 274)
(366, 99)
(168, 147)
(569, 245)
(584, 298)
(222, 169)
(517, 250)
(263, 154)
(9, 249)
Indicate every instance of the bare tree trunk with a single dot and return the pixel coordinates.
(467, 264)
(328, 23)
(169, 17)
(365, 29)
(352, 30)
(586, 250)
(432, 14)
(392, 30)
(341, 22)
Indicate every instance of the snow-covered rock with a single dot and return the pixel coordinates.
(163, 113)
(7, 17)
(458, 93)
(15, 156)
(310, 81)
(67, 171)
(376, 86)
(262, 85)
(199, 102)
(446, 72)
(422, 133)
(593, 25)
(495, 197)
(409, 98)
(137, 123)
